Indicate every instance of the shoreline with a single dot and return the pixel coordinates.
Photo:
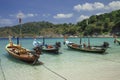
(99, 36)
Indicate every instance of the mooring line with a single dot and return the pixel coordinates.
(2, 70)
(54, 72)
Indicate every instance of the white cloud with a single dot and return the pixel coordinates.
(98, 5)
(77, 7)
(22, 15)
(82, 17)
(89, 6)
(57, 16)
(30, 15)
(114, 5)
(4, 22)
(99, 13)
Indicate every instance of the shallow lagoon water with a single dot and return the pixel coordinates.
(69, 64)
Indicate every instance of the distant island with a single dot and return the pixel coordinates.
(105, 24)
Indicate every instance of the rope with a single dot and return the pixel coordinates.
(54, 72)
(2, 70)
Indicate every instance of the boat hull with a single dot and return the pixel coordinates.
(92, 50)
(51, 49)
(27, 56)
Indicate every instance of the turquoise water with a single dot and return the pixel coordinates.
(68, 65)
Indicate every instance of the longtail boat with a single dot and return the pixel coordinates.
(22, 53)
(83, 47)
(51, 48)
(47, 47)
(86, 49)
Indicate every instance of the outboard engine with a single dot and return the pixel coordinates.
(36, 54)
(37, 50)
(58, 44)
(105, 45)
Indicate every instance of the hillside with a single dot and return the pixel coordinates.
(102, 24)
(107, 23)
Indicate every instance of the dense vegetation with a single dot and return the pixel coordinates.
(107, 23)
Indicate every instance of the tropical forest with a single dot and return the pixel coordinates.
(103, 24)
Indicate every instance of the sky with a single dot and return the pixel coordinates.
(54, 11)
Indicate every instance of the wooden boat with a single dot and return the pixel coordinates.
(50, 48)
(89, 48)
(86, 49)
(20, 52)
(47, 48)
